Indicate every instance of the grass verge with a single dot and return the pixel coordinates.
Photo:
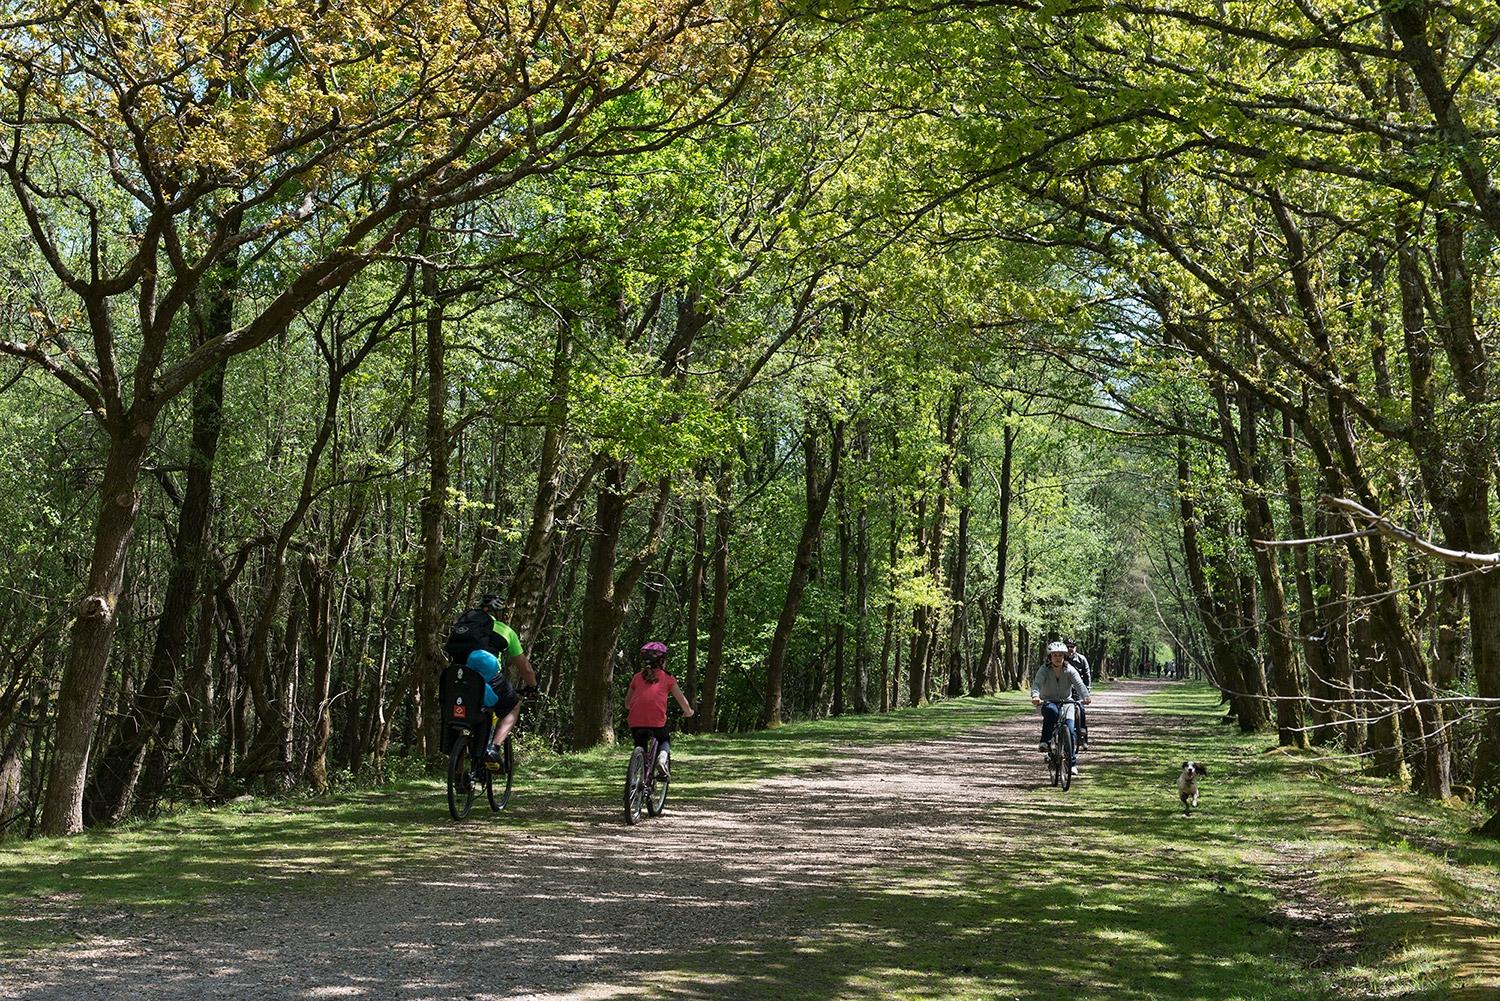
(1104, 892)
(1297, 880)
(52, 890)
(1354, 853)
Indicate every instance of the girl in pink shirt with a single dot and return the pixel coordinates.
(646, 702)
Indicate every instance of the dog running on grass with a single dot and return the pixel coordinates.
(1187, 785)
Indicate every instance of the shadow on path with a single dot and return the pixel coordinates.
(945, 868)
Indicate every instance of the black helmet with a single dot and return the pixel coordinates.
(491, 603)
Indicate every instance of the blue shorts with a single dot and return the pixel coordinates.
(499, 694)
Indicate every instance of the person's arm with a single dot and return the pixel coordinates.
(1036, 686)
(516, 654)
(1080, 690)
(524, 668)
(687, 710)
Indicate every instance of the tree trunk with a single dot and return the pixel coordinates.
(593, 701)
(992, 621)
(318, 587)
(1332, 571)
(1213, 610)
(695, 595)
(819, 489)
(1310, 626)
(1242, 446)
(82, 685)
(606, 600)
(887, 684)
(960, 596)
(111, 793)
(11, 756)
(530, 577)
(428, 619)
(862, 578)
(918, 639)
(1012, 671)
(841, 631)
(719, 616)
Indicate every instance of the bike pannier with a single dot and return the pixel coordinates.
(461, 695)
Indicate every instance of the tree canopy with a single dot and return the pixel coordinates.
(852, 349)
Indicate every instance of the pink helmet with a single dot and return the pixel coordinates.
(654, 651)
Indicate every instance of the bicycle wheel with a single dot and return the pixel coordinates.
(657, 801)
(1065, 757)
(635, 786)
(1052, 759)
(460, 780)
(508, 773)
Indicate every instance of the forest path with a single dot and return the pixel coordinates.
(780, 888)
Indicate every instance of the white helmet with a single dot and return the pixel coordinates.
(1056, 647)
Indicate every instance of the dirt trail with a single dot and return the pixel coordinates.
(597, 909)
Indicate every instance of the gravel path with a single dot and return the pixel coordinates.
(596, 909)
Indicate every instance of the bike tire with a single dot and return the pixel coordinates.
(635, 786)
(657, 801)
(1065, 757)
(460, 781)
(508, 772)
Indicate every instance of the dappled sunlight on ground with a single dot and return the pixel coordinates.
(943, 868)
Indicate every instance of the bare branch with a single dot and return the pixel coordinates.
(1384, 526)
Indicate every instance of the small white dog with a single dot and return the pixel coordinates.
(1187, 785)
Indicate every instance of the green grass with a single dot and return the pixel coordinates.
(1110, 893)
(1106, 891)
(1423, 891)
(979, 931)
(204, 856)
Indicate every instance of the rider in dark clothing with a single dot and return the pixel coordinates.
(496, 646)
(1080, 663)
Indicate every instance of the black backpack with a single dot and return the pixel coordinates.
(474, 630)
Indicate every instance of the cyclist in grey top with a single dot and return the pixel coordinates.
(1056, 681)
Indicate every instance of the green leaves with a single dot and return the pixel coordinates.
(645, 419)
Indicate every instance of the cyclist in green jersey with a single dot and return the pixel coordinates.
(500, 695)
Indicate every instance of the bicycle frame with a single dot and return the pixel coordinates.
(645, 789)
(1065, 714)
(1064, 704)
(653, 747)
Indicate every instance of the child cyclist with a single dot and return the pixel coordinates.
(646, 702)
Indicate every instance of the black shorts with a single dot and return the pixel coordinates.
(506, 694)
(643, 735)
